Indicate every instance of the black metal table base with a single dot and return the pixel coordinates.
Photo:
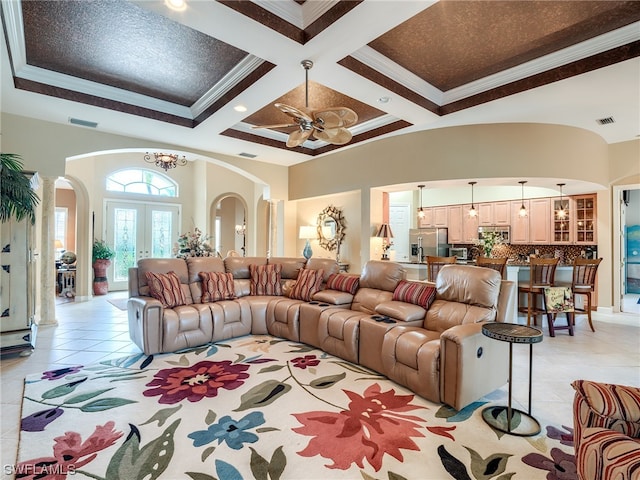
(517, 423)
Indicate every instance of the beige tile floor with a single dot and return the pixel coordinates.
(96, 330)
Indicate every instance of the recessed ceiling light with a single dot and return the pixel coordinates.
(177, 5)
(240, 108)
(384, 100)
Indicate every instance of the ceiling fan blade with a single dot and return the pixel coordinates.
(335, 117)
(293, 111)
(281, 125)
(298, 137)
(335, 136)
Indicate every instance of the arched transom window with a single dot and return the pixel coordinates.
(142, 181)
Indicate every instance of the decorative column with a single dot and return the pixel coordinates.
(47, 253)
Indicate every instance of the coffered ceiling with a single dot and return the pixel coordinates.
(142, 69)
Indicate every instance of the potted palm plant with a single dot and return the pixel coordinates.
(102, 255)
(17, 198)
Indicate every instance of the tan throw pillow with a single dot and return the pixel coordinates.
(265, 279)
(308, 283)
(166, 288)
(217, 286)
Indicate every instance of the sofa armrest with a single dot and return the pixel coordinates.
(506, 301)
(145, 323)
(604, 453)
(407, 312)
(333, 297)
(471, 364)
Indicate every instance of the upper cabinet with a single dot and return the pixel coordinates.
(455, 215)
(585, 219)
(519, 225)
(561, 218)
(539, 221)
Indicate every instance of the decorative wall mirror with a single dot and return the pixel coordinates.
(331, 227)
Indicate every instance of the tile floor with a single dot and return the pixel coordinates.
(96, 330)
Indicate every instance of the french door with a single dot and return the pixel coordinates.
(138, 230)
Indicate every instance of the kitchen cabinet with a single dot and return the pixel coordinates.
(427, 220)
(440, 216)
(469, 226)
(485, 214)
(539, 221)
(502, 213)
(585, 219)
(455, 214)
(519, 225)
(561, 228)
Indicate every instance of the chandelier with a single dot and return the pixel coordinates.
(165, 161)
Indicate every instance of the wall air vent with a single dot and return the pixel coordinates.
(248, 155)
(606, 120)
(82, 123)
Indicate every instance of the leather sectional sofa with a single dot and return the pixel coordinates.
(426, 337)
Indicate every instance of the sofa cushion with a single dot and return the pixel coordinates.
(217, 286)
(265, 279)
(166, 288)
(415, 292)
(290, 266)
(309, 282)
(343, 282)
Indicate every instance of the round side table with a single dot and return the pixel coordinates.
(494, 416)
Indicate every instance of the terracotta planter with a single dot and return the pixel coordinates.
(100, 284)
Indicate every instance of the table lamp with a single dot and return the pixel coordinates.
(385, 233)
(307, 232)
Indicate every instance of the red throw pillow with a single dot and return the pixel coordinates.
(217, 286)
(308, 282)
(166, 288)
(343, 283)
(265, 279)
(415, 292)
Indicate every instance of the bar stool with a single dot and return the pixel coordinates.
(498, 264)
(542, 272)
(434, 264)
(583, 283)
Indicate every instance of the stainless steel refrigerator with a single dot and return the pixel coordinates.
(428, 241)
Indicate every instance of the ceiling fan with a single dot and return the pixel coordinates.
(328, 124)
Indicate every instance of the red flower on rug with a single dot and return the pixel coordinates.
(69, 454)
(306, 361)
(196, 382)
(371, 426)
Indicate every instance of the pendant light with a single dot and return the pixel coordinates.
(421, 210)
(472, 211)
(523, 210)
(561, 213)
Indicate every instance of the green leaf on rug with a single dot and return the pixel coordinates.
(62, 390)
(207, 451)
(272, 368)
(105, 404)
(328, 381)
(486, 468)
(182, 361)
(86, 396)
(135, 463)
(161, 416)
(264, 394)
(210, 418)
(272, 470)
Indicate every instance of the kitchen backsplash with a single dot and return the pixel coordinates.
(567, 253)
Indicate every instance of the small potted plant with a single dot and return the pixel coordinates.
(102, 255)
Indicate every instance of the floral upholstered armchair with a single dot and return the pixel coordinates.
(606, 420)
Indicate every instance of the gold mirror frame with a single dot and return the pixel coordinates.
(330, 217)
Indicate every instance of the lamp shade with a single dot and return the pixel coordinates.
(384, 231)
(58, 244)
(307, 232)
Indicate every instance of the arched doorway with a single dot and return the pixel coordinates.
(229, 218)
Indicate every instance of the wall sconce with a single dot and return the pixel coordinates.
(420, 209)
(307, 233)
(242, 230)
(385, 233)
(165, 161)
(523, 210)
(561, 213)
(472, 211)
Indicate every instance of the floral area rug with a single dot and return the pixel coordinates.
(263, 408)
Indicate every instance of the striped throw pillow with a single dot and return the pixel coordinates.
(415, 292)
(343, 283)
(217, 286)
(166, 288)
(265, 279)
(308, 282)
